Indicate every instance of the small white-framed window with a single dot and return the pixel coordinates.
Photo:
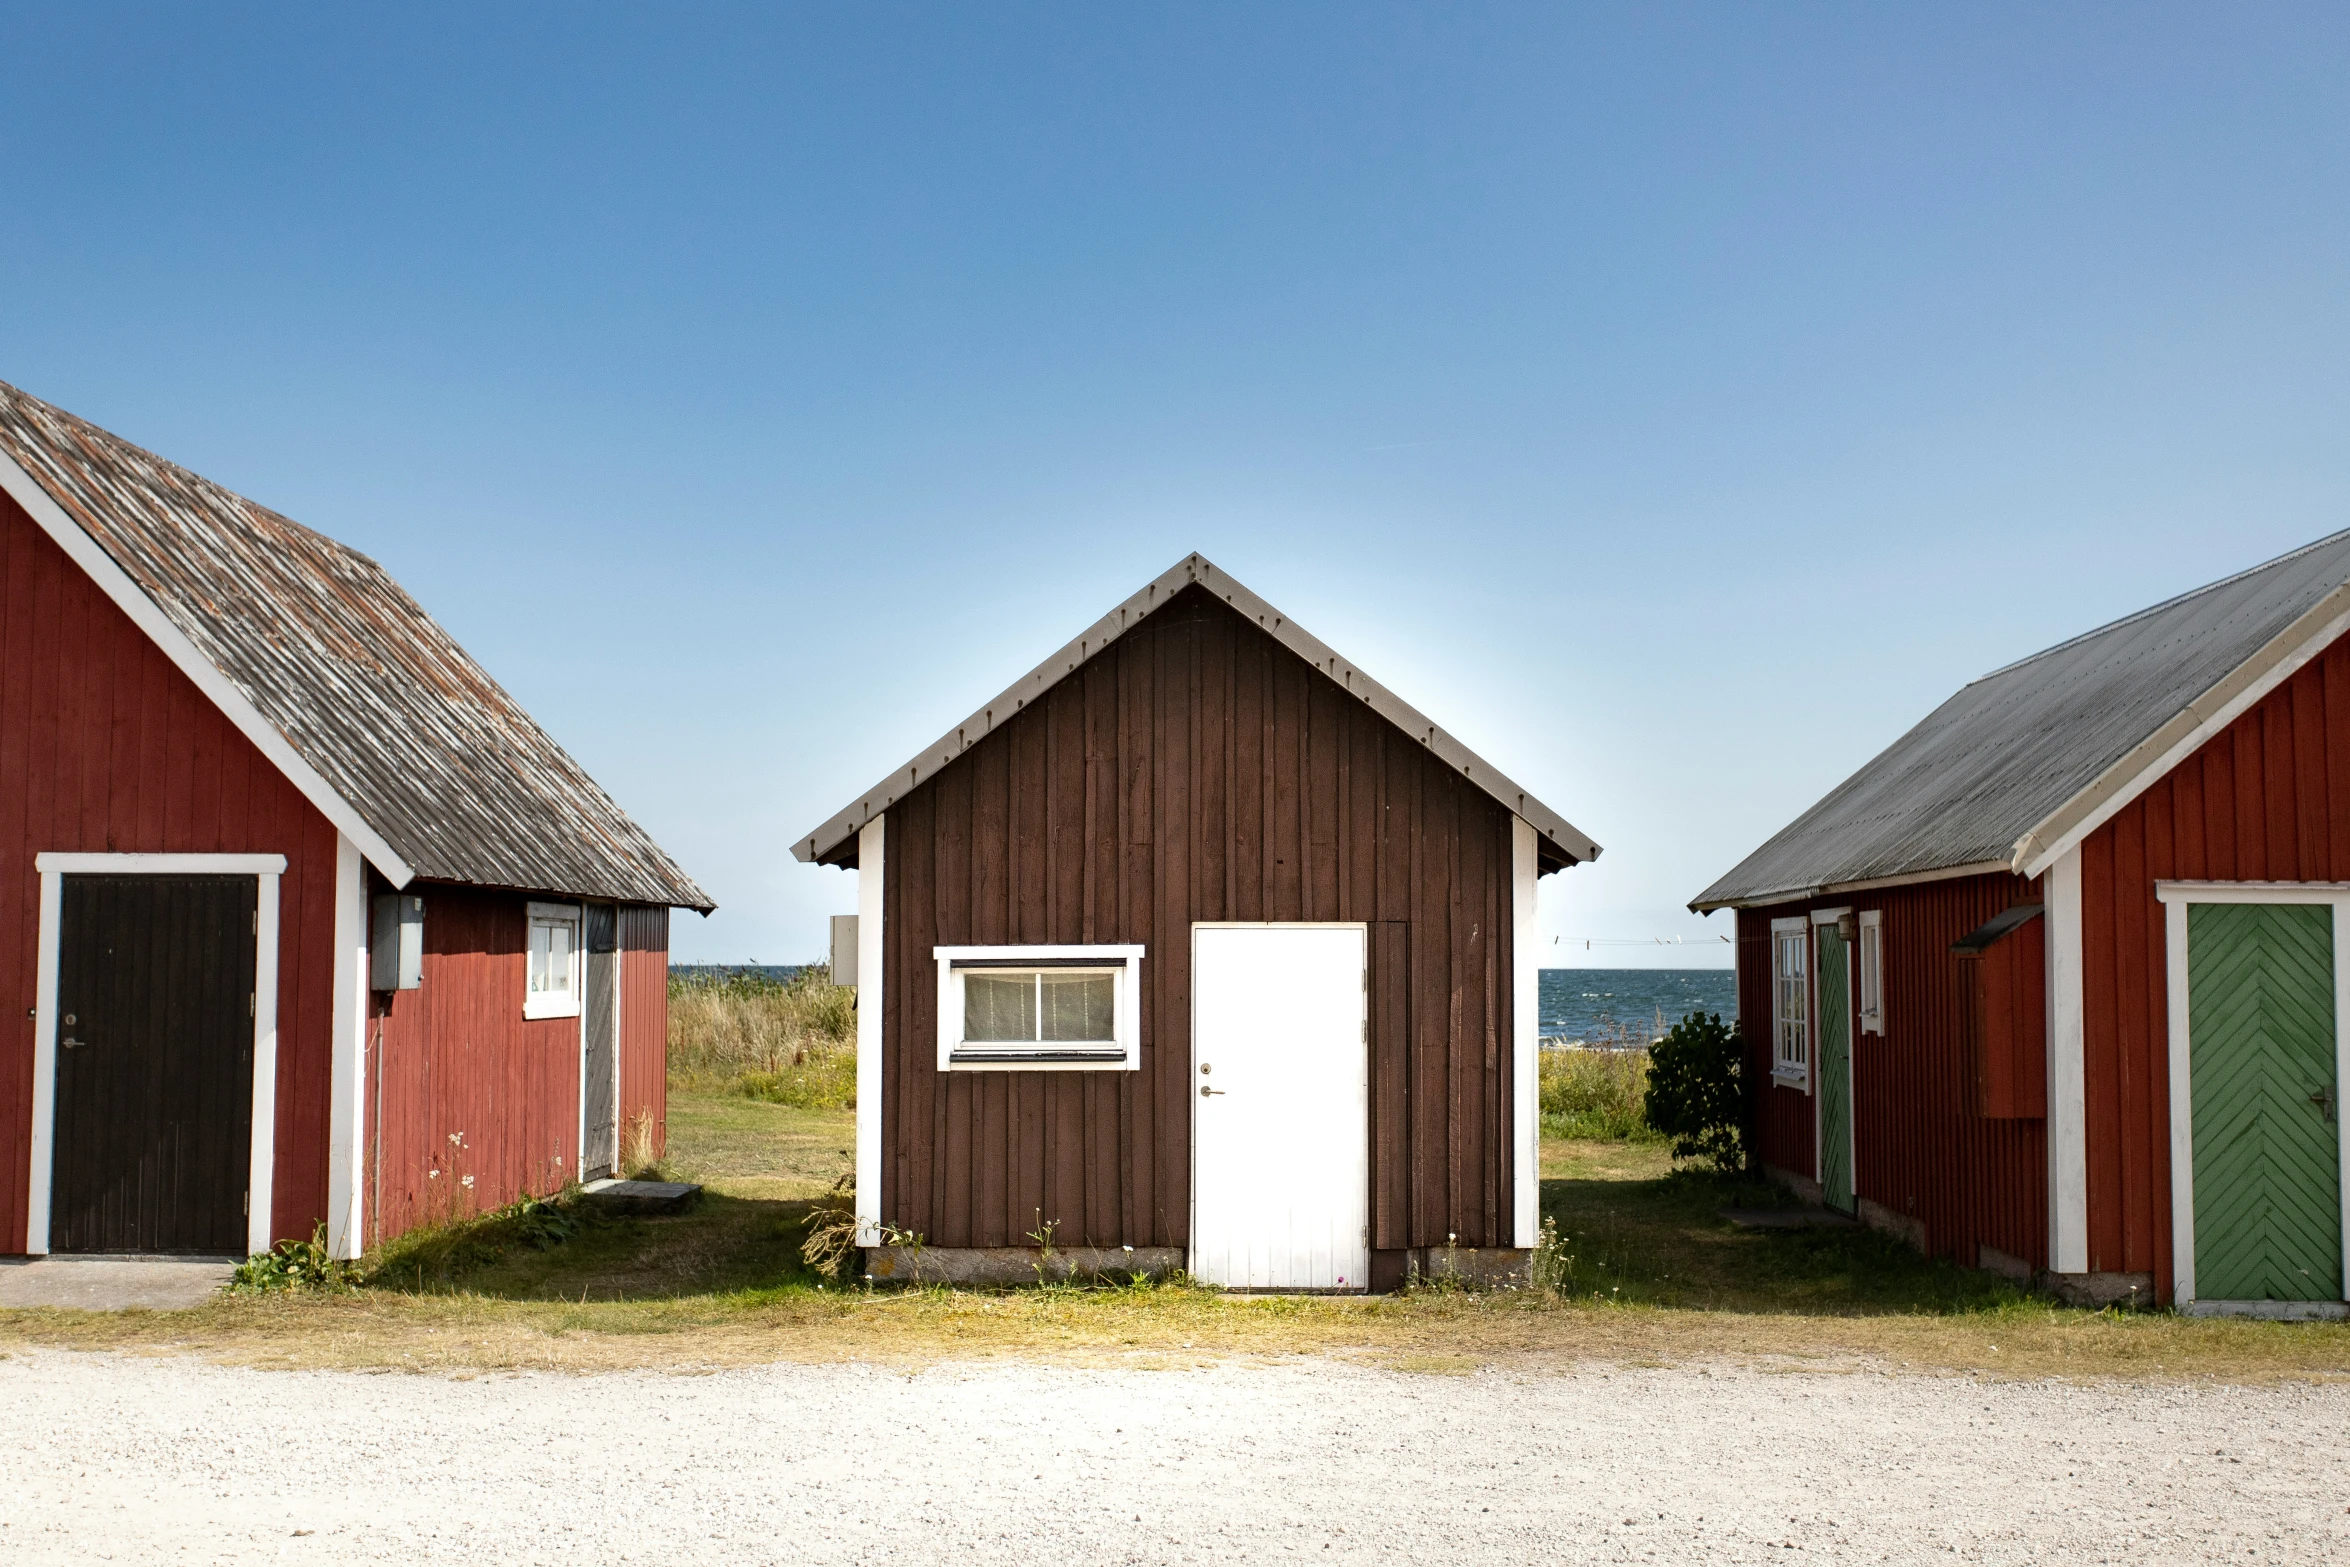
(1791, 1002)
(1872, 971)
(1039, 1009)
(551, 961)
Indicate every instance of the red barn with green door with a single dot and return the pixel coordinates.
(2059, 983)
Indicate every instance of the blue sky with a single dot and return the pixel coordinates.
(1673, 402)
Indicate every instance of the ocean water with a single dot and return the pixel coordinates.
(1583, 1004)
(1605, 1005)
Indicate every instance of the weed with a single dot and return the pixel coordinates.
(1043, 1236)
(646, 1160)
(293, 1265)
(831, 1242)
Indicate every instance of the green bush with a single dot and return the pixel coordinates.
(1697, 1090)
(292, 1265)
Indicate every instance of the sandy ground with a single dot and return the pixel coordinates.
(136, 1460)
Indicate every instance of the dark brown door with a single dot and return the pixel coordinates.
(154, 1064)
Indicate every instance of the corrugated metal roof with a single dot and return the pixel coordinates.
(402, 725)
(2002, 772)
(1558, 842)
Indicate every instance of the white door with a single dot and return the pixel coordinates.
(1281, 1108)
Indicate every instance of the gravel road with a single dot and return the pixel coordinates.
(136, 1460)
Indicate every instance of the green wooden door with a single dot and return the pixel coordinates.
(1834, 977)
(2260, 1072)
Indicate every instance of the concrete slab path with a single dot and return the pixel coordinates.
(113, 1283)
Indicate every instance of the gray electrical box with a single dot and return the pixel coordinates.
(398, 942)
(844, 949)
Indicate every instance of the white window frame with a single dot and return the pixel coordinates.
(1869, 960)
(538, 1004)
(954, 1055)
(1792, 1068)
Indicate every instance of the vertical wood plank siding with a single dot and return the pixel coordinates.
(105, 747)
(468, 1086)
(1195, 770)
(2266, 799)
(1920, 1149)
(644, 1027)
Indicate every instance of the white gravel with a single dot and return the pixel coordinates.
(132, 1460)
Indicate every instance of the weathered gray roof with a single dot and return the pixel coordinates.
(1558, 843)
(334, 671)
(2025, 760)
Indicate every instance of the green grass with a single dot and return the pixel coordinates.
(790, 1043)
(1594, 1095)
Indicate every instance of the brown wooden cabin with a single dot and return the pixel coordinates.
(306, 921)
(2054, 984)
(1197, 948)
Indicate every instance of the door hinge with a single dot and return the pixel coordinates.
(248, 1205)
(252, 1006)
(256, 922)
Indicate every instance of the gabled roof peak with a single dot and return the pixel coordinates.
(1560, 840)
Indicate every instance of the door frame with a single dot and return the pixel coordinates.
(586, 969)
(265, 869)
(2175, 896)
(1191, 1044)
(1814, 1066)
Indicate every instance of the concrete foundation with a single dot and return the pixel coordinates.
(1005, 1265)
(2006, 1264)
(2099, 1290)
(1803, 1186)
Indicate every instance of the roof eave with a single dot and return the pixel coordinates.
(1836, 889)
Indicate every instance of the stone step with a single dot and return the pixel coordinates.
(640, 1196)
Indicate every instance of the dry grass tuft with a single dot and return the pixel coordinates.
(1595, 1094)
(790, 1042)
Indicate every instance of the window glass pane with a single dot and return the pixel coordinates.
(1080, 1006)
(558, 957)
(999, 1008)
(538, 959)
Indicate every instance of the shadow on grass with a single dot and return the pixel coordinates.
(1661, 1241)
(566, 1249)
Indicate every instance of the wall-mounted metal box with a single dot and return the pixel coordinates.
(844, 949)
(397, 945)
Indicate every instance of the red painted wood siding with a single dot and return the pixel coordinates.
(1195, 770)
(1920, 1149)
(2266, 799)
(105, 747)
(644, 1027)
(463, 1085)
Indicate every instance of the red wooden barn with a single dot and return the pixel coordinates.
(2056, 984)
(1197, 947)
(307, 922)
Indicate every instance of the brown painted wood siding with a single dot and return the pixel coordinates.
(1920, 1148)
(1195, 770)
(2266, 799)
(106, 748)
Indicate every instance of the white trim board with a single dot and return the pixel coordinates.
(2175, 897)
(224, 694)
(1525, 1032)
(265, 869)
(346, 1220)
(1192, 569)
(871, 935)
(2068, 1076)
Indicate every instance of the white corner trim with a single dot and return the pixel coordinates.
(2068, 1113)
(262, 1169)
(1525, 1032)
(347, 1110)
(116, 584)
(2176, 896)
(872, 934)
(2063, 829)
